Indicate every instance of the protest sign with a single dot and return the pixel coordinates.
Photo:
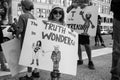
(79, 20)
(11, 50)
(42, 39)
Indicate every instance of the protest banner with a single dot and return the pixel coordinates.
(11, 50)
(42, 39)
(78, 21)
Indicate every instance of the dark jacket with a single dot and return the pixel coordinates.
(115, 8)
(22, 24)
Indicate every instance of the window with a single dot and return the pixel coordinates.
(42, 13)
(111, 20)
(38, 0)
(43, 1)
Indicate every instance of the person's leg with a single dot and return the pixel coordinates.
(88, 51)
(2, 62)
(96, 40)
(80, 61)
(36, 73)
(28, 75)
(101, 40)
(79, 52)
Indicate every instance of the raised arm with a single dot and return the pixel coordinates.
(73, 5)
(70, 8)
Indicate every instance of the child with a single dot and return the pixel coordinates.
(56, 15)
(27, 7)
(85, 41)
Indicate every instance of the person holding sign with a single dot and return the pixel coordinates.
(27, 7)
(83, 38)
(56, 15)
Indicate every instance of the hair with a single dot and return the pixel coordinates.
(51, 17)
(28, 5)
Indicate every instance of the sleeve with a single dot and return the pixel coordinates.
(70, 8)
(20, 24)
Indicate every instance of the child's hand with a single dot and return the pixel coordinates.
(81, 12)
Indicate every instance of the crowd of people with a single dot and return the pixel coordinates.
(57, 15)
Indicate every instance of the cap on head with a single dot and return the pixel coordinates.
(28, 4)
(57, 6)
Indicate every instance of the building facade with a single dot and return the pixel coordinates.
(105, 13)
(43, 7)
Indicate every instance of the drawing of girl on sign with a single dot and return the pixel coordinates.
(36, 51)
(56, 57)
(87, 21)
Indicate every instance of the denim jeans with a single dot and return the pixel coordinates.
(115, 70)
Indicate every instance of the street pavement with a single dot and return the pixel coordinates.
(102, 60)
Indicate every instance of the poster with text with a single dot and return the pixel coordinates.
(83, 21)
(50, 46)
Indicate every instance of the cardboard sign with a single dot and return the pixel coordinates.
(77, 19)
(11, 50)
(49, 46)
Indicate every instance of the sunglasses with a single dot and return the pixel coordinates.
(57, 12)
